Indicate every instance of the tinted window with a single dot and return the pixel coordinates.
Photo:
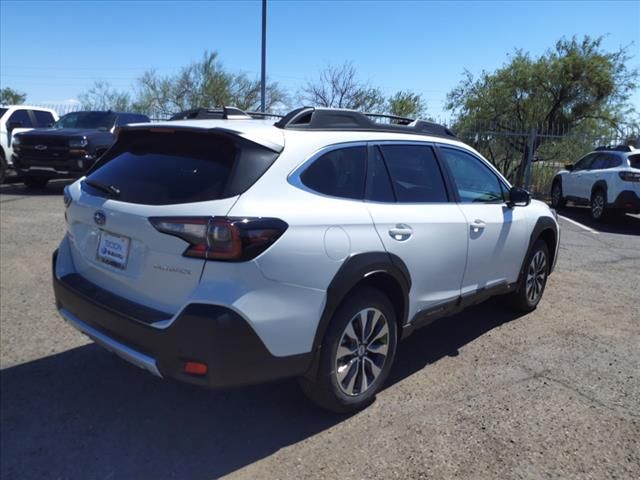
(474, 180)
(43, 119)
(378, 183)
(162, 169)
(634, 161)
(3, 111)
(599, 162)
(126, 118)
(585, 162)
(21, 116)
(613, 161)
(339, 173)
(415, 174)
(90, 120)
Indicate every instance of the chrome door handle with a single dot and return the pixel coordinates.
(477, 225)
(400, 232)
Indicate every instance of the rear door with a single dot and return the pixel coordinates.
(588, 177)
(573, 182)
(497, 233)
(163, 173)
(415, 219)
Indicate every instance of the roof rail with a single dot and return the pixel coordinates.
(615, 148)
(264, 115)
(225, 113)
(335, 119)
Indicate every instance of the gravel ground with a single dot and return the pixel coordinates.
(485, 394)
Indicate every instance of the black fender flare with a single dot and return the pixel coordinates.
(558, 179)
(353, 271)
(542, 225)
(600, 185)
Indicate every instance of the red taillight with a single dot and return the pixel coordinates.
(222, 238)
(195, 368)
(629, 176)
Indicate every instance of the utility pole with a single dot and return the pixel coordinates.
(530, 152)
(263, 82)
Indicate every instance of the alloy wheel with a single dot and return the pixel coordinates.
(597, 205)
(362, 351)
(536, 276)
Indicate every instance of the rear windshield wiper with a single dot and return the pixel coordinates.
(111, 190)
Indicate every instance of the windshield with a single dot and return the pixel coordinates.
(2, 111)
(91, 120)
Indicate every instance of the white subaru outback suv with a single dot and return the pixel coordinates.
(608, 180)
(235, 251)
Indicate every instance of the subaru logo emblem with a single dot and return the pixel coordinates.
(40, 147)
(100, 218)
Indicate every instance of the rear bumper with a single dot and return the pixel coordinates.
(211, 334)
(628, 201)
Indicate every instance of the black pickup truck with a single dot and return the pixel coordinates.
(69, 148)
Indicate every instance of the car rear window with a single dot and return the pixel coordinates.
(634, 161)
(173, 167)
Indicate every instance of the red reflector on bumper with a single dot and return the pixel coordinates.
(195, 368)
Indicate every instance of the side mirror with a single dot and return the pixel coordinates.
(569, 166)
(519, 197)
(14, 125)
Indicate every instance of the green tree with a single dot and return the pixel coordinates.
(104, 97)
(339, 87)
(202, 84)
(574, 86)
(9, 96)
(407, 104)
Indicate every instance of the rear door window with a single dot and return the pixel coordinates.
(599, 162)
(634, 161)
(43, 119)
(338, 173)
(180, 167)
(415, 173)
(379, 187)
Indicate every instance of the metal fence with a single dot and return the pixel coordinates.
(528, 155)
(531, 155)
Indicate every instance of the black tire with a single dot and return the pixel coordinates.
(557, 200)
(3, 168)
(36, 182)
(598, 205)
(522, 299)
(326, 390)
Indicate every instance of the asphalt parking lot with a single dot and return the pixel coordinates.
(485, 394)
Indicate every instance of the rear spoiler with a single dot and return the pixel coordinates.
(259, 136)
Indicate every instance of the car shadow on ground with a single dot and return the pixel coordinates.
(85, 413)
(622, 224)
(17, 188)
